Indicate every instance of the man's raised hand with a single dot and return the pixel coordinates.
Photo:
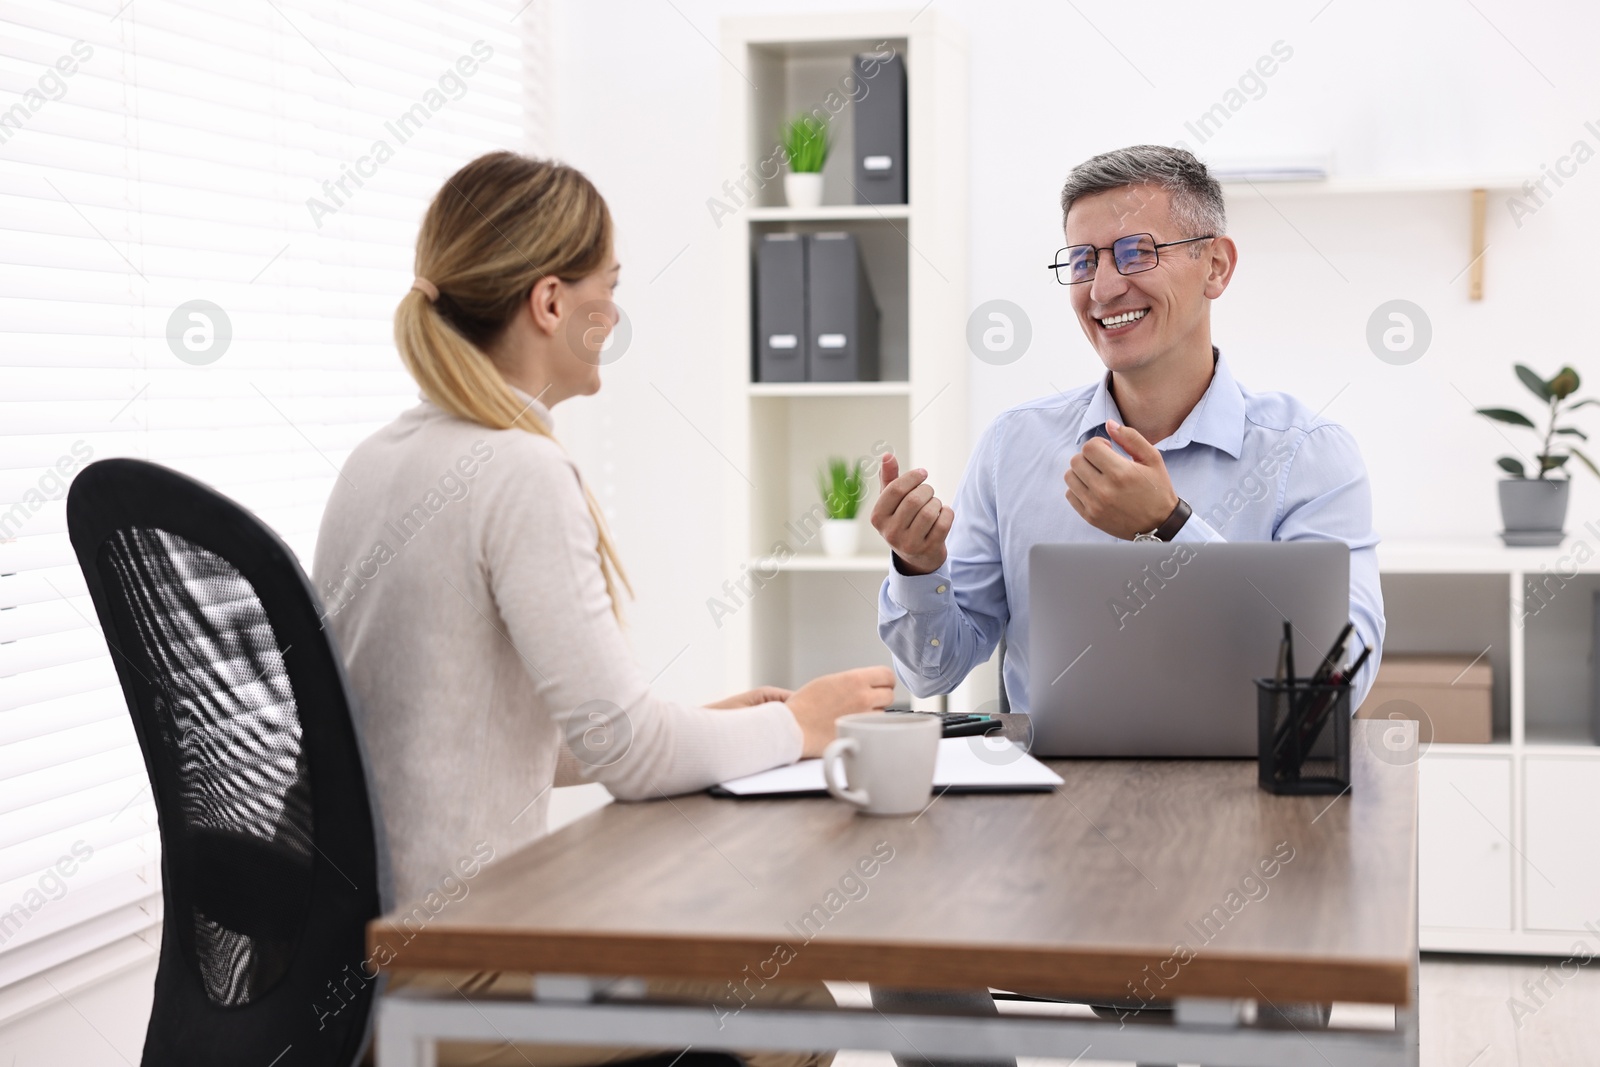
(911, 518)
(1120, 495)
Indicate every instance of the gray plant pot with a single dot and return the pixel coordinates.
(1534, 510)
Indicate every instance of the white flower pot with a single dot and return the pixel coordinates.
(840, 537)
(803, 190)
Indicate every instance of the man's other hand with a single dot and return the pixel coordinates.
(1122, 495)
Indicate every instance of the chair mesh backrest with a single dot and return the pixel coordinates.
(228, 719)
(272, 853)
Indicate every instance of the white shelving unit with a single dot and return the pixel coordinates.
(807, 614)
(1509, 831)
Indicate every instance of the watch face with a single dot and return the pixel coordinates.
(1145, 537)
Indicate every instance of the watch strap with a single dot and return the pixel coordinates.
(1174, 522)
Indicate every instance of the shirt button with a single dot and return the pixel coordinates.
(934, 642)
(938, 589)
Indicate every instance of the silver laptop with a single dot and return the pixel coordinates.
(1151, 649)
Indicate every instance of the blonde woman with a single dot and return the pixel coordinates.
(469, 578)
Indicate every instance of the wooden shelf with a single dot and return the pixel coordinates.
(1374, 186)
(1478, 187)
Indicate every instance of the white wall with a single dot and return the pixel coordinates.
(1423, 88)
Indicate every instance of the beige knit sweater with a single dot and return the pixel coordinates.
(458, 569)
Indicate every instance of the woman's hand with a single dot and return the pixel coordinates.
(765, 694)
(817, 704)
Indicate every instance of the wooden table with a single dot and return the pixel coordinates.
(1177, 880)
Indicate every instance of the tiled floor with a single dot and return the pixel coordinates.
(1468, 1012)
(1469, 1016)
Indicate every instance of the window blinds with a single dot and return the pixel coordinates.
(206, 218)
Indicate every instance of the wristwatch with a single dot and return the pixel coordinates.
(1168, 529)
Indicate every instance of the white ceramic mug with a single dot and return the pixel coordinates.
(886, 760)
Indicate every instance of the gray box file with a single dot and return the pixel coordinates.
(781, 308)
(880, 122)
(842, 316)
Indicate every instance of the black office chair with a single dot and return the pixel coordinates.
(272, 854)
(272, 858)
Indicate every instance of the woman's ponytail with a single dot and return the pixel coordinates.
(499, 225)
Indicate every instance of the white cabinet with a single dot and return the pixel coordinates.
(1561, 872)
(1509, 831)
(1464, 842)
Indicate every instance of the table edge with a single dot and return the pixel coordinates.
(1100, 971)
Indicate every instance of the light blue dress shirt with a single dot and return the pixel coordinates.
(1254, 466)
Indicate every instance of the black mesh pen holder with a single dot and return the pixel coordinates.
(1292, 716)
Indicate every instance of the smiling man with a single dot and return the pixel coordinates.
(1166, 444)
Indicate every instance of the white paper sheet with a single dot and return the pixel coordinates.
(979, 763)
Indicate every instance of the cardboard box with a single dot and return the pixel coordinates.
(1454, 695)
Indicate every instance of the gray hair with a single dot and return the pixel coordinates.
(1197, 205)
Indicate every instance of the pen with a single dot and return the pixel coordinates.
(1350, 672)
(1295, 709)
(1307, 714)
(1288, 643)
(1319, 715)
(1335, 654)
(1324, 671)
(1286, 683)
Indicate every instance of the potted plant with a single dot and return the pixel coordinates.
(1535, 509)
(805, 142)
(842, 488)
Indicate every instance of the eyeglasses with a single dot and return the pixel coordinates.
(1132, 254)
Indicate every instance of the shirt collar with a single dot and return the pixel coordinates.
(1217, 420)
